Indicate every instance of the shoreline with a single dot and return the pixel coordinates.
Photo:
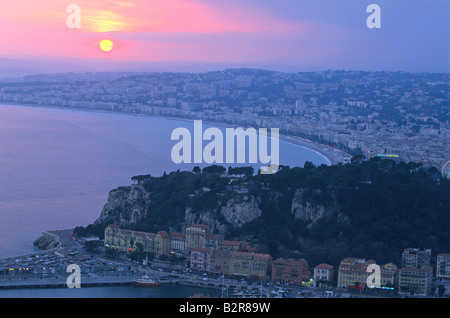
(332, 155)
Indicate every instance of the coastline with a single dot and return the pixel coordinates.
(331, 155)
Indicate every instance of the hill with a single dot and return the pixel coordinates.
(368, 208)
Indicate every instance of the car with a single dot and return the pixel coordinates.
(205, 278)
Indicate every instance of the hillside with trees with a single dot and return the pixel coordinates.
(368, 208)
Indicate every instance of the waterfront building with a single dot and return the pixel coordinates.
(250, 265)
(220, 262)
(177, 242)
(127, 240)
(290, 271)
(443, 267)
(415, 281)
(200, 259)
(196, 236)
(353, 274)
(416, 258)
(323, 274)
(162, 243)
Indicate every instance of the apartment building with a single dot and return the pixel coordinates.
(290, 271)
(127, 240)
(415, 281)
(220, 262)
(443, 267)
(353, 273)
(200, 259)
(416, 258)
(251, 265)
(196, 236)
(162, 243)
(177, 242)
(323, 274)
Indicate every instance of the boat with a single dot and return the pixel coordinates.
(146, 281)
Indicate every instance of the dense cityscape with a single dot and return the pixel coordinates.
(199, 258)
(394, 114)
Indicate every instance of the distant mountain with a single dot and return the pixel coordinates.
(18, 67)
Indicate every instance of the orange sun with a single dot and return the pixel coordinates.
(106, 45)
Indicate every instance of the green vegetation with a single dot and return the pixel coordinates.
(373, 208)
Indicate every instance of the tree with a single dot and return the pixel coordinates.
(93, 246)
(139, 247)
(214, 169)
(142, 178)
(111, 252)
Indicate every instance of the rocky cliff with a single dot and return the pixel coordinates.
(125, 206)
(47, 241)
(139, 207)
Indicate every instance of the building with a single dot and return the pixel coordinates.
(128, 240)
(251, 265)
(200, 259)
(212, 240)
(162, 243)
(220, 262)
(290, 271)
(232, 246)
(443, 267)
(416, 258)
(196, 236)
(177, 242)
(415, 281)
(353, 274)
(323, 274)
(247, 247)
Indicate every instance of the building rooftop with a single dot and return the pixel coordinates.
(230, 243)
(324, 266)
(424, 269)
(250, 255)
(201, 226)
(178, 234)
(202, 249)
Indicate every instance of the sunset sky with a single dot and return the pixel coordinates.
(300, 33)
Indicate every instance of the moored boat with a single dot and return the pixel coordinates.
(146, 281)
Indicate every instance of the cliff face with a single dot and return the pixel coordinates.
(128, 206)
(237, 211)
(307, 211)
(125, 206)
(241, 210)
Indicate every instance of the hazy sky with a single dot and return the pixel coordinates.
(414, 34)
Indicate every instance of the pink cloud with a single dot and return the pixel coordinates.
(153, 30)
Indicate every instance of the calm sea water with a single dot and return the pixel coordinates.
(57, 166)
(165, 291)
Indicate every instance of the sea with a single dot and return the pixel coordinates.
(165, 291)
(57, 166)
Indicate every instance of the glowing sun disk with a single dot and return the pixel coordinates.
(106, 45)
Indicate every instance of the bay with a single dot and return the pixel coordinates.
(165, 291)
(57, 166)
